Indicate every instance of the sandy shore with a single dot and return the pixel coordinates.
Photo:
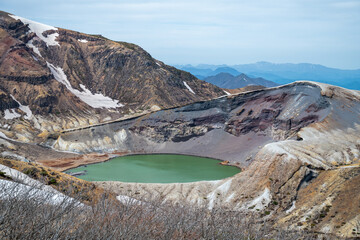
(66, 162)
(63, 164)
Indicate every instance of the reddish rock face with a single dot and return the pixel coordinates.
(260, 114)
(231, 128)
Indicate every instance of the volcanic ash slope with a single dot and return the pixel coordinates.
(298, 146)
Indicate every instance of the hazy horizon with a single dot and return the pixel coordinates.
(230, 32)
(279, 63)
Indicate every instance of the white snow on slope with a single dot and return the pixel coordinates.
(6, 143)
(11, 114)
(24, 179)
(23, 108)
(96, 100)
(291, 208)
(35, 49)
(222, 189)
(4, 136)
(26, 187)
(16, 190)
(83, 40)
(261, 201)
(35, 58)
(13, 155)
(189, 88)
(39, 29)
(6, 126)
(227, 93)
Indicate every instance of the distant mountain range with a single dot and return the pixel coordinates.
(282, 73)
(202, 73)
(226, 80)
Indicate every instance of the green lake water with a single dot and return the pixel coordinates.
(156, 168)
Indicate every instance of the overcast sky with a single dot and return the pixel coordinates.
(230, 32)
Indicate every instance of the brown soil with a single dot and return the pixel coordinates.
(62, 164)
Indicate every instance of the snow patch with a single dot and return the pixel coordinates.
(39, 29)
(33, 47)
(291, 208)
(23, 108)
(13, 155)
(11, 114)
(35, 58)
(227, 93)
(4, 136)
(23, 178)
(6, 143)
(222, 189)
(261, 201)
(189, 88)
(83, 40)
(20, 191)
(96, 100)
(6, 126)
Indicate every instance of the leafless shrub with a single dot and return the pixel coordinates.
(25, 216)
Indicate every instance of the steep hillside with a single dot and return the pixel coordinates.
(53, 78)
(48, 180)
(298, 147)
(226, 80)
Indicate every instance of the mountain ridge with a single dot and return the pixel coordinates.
(226, 80)
(284, 73)
(61, 75)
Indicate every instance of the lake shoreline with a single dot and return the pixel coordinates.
(148, 168)
(110, 156)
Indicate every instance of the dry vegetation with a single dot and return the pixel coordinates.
(85, 191)
(23, 216)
